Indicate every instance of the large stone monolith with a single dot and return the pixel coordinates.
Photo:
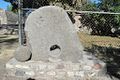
(52, 34)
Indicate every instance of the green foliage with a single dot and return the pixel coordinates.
(109, 5)
(66, 4)
(7, 0)
(101, 24)
(14, 5)
(69, 4)
(9, 8)
(89, 7)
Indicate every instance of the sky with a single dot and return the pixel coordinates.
(4, 4)
(96, 1)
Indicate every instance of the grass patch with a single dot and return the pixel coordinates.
(103, 41)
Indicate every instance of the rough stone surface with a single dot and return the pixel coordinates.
(50, 26)
(22, 53)
(55, 71)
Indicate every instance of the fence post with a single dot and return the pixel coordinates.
(20, 22)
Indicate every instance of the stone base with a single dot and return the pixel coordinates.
(61, 70)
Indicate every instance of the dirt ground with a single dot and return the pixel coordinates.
(8, 44)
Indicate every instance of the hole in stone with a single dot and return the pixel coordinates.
(53, 47)
(30, 57)
(30, 79)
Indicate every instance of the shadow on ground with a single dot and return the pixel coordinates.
(8, 39)
(109, 55)
(8, 42)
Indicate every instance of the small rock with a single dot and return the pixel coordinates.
(9, 65)
(54, 59)
(76, 67)
(51, 66)
(42, 66)
(87, 67)
(80, 73)
(19, 73)
(41, 73)
(70, 73)
(60, 66)
(30, 73)
(60, 74)
(97, 66)
(22, 66)
(51, 73)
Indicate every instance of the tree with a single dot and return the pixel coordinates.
(66, 4)
(9, 8)
(101, 24)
